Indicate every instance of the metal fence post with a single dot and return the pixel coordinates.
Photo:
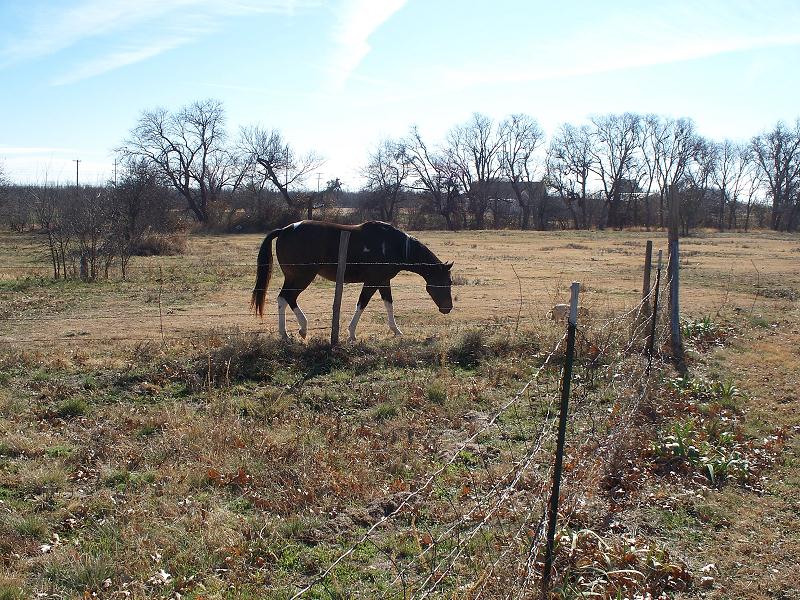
(562, 433)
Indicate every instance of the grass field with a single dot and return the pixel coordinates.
(152, 446)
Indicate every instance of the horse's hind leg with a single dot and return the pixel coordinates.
(288, 296)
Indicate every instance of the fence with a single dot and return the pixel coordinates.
(488, 537)
(490, 541)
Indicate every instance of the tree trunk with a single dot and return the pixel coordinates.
(526, 215)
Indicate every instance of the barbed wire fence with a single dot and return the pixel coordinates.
(475, 525)
(487, 536)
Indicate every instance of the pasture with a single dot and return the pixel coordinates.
(158, 440)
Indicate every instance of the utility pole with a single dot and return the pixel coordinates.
(76, 161)
(115, 172)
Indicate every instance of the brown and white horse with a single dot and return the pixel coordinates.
(376, 253)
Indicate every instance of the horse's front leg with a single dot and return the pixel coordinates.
(366, 293)
(386, 295)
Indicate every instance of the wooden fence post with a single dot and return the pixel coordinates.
(674, 282)
(344, 240)
(651, 340)
(562, 434)
(648, 260)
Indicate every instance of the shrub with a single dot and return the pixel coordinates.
(469, 349)
(160, 244)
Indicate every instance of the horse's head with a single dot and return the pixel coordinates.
(438, 284)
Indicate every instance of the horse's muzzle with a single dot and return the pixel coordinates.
(446, 310)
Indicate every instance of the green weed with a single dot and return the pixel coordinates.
(72, 407)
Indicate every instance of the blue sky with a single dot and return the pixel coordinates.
(336, 76)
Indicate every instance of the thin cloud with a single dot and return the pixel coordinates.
(28, 150)
(118, 25)
(116, 60)
(357, 21)
(621, 57)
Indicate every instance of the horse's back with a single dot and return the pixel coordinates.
(310, 247)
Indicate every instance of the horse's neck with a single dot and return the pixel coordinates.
(418, 258)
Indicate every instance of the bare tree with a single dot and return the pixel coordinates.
(188, 149)
(431, 174)
(697, 183)
(777, 154)
(521, 136)
(137, 207)
(279, 162)
(753, 187)
(387, 173)
(569, 166)
(729, 175)
(473, 149)
(675, 144)
(616, 140)
(652, 143)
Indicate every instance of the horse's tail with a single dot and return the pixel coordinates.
(263, 272)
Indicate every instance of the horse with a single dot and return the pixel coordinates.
(377, 252)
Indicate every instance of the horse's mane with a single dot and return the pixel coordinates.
(421, 254)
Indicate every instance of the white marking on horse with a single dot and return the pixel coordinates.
(301, 319)
(354, 322)
(383, 248)
(282, 304)
(407, 250)
(294, 225)
(390, 317)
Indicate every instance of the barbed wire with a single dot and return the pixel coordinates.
(433, 476)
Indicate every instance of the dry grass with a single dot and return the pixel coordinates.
(225, 463)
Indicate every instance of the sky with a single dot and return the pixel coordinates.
(338, 76)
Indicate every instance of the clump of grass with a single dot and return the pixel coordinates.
(436, 392)
(301, 528)
(385, 411)
(83, 574)
(30, 526)
(58, 451)
(12, 589)
(469, 349)
(11, 448)
(72, 407)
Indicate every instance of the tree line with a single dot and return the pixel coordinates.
(181, 169)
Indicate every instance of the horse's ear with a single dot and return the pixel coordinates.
(448, 265)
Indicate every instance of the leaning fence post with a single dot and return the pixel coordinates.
(652, 338)
(562, 433)
(344, 240)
